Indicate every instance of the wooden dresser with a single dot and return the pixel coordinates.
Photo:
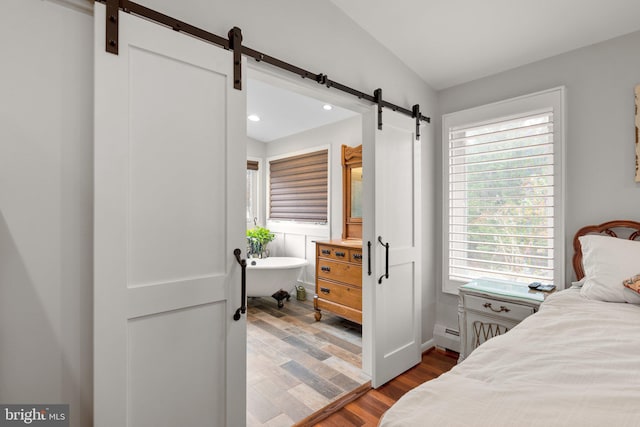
(339, 279)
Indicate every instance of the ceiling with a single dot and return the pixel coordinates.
(283, 112)
(448, 42)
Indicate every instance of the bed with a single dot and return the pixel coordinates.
(574, 363)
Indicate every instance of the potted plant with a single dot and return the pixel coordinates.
(257, 240)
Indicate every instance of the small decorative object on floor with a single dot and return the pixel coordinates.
(257, 240)
(301, 293)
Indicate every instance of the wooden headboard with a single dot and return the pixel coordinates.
(630, 227)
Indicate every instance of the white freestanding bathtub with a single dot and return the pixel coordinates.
(267, 276)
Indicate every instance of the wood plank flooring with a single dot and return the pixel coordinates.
(367, 410)
(295, 365)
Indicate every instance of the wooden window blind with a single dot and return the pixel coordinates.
(299, 187)
(252, 165)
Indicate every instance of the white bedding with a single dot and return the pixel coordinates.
(574, 363)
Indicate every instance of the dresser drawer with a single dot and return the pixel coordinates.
(333, 252)
(343, 294)
(355, 255)
(503, 309)
(339, 309)
(340, 272)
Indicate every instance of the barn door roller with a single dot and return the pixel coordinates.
(111, 41)
(235, 44)
(416, 115)
(377, 94)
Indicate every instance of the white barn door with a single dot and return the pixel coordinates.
(395, 283)
(170, 159)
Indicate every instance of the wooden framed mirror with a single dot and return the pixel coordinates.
(352, 192)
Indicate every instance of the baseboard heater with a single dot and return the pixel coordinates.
(446, 338)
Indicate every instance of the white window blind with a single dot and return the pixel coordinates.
(502, 218)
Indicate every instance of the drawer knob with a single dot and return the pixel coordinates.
(357, 256)
(325, 290)
(340, 254)
(502, 308)
(326, 252)
(325, 269)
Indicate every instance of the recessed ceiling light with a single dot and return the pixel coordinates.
(254, 117)
(327, 107)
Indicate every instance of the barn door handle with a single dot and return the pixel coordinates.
(369, 258)
(243, 265)
(386, 260)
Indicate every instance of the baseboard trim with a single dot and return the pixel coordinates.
(446, 338)
(334, 407)
(427, 345)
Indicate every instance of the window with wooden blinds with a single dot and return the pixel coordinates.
(299, 187)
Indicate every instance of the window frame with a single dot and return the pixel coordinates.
(554, 98)
(258, 182)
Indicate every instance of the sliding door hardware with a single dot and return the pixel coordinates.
(234, 42)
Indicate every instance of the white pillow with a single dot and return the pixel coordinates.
(579, 283)
(607, 262)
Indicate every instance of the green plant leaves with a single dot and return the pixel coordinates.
(261, 234)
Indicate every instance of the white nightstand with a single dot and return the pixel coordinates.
(491, 307)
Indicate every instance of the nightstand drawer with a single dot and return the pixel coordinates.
(503, 309)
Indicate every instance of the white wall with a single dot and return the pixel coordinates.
(46, 181)
(600, 81)
(46, 174)
(255, 148)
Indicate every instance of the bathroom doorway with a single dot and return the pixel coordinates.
(296, 365)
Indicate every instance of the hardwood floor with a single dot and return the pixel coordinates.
(367, 410)
(295, 365)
